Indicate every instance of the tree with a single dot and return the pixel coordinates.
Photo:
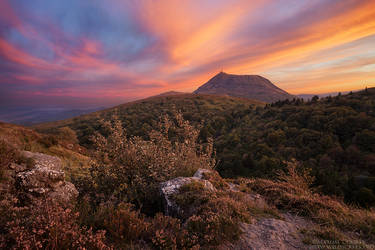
(315, 98)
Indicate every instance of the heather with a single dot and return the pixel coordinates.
(120, 204)
(333, 136)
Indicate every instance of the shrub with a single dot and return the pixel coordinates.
(124, 224)
(67, 135)
(365, 197)
(292, 194)
(130, 169)
(212, 217)
(215, 180)
(302, 180)
(191, 196)
(46, 225)
(9, 154)
(168, 233)
(48, 141)
(218, 221)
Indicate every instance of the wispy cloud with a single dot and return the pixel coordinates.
(114, 51)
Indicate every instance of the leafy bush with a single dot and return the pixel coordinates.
(8, 155)
(48, 141)
(131, 169)
(45, 225)
(218, 221)
(212, 217)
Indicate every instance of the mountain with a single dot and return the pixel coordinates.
(142, 114)
(248, 86)
(169, 93)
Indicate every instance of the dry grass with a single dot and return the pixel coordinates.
(215, 217)
(62, 144)
(293, 196)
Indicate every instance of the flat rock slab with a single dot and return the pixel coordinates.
(269, 234)
(43, 160)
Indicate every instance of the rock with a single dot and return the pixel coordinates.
(170, 188)
(17, 168)
(64, 193)
(43, 160)
(267, 234)
(45, 178)
(40, 178)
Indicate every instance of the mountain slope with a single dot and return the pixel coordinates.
(332, 135)
(248, 86)
(140, 116)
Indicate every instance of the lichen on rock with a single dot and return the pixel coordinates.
(171, 188)
(46, 178)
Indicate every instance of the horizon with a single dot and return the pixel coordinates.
(79, 54)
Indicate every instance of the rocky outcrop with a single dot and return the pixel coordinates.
(46, 179)
(170, 188)
(263, 233)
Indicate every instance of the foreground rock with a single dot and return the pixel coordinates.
(262, 233)
(269, 233)
(45, 179)
(170, 188)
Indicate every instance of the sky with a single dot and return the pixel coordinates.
(82, 53)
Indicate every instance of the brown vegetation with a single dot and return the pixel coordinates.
(120, 207)
(292, 193)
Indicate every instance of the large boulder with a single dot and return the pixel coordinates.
(170, 188)
(46, 178)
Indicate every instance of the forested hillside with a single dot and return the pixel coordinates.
(333, 136)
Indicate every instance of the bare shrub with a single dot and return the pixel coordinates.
(301, 179)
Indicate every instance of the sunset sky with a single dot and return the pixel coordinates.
(96, 52)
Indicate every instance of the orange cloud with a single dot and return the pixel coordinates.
(317, 47)
(193, 45)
